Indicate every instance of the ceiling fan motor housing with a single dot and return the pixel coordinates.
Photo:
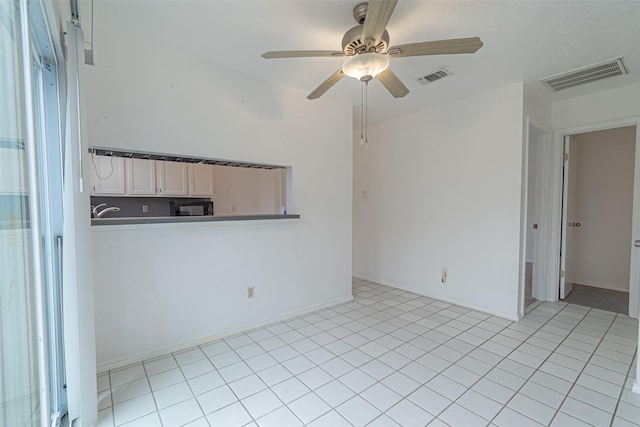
(352, 44)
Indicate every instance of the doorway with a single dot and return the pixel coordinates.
(597, 218)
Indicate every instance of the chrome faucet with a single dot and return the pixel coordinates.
(94, 209)
(107, 210)
(98, 214)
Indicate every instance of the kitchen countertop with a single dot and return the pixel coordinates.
(186, 219)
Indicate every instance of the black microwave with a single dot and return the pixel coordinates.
(190, 207)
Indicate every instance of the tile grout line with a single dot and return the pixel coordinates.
(505, 358)
(495, 333)
(438, 346)
(254, 373)
(583, 317)
(186, 380)
(372, 358)
(388, 350)
(573, 384)
(627, 376)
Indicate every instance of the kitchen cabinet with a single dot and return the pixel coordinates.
(140, 176)
(171, 178)
(13, 171)
(106, 175)
(201, 180)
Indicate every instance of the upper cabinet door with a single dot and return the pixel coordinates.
(201, 180)
(106, 175)
(172, 178)
(141, 176)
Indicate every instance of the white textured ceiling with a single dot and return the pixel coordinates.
(523, 41)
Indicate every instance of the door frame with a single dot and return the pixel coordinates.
(553, 197)
(543, 139)
(565, 288)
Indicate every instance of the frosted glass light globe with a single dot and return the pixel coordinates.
(365, 65)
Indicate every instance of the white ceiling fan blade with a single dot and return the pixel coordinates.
(301, 54)
(392, 83)
(376, 20)
(437, 47)
(326, 85)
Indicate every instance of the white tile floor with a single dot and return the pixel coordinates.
(392, 358)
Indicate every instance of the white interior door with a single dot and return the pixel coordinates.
(566, 229)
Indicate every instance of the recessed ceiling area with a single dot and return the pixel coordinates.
(523, 41)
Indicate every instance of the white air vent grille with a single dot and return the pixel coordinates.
(436, 75)
(592, 73)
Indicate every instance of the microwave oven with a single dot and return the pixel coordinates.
(190, 207)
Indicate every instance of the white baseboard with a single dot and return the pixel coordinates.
(506, 315)
(598, 285)
(636, 387)
(138, 357)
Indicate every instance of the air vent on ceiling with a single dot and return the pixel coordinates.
(436, 75)
(592, 73)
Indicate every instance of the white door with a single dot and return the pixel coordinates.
(568, 221)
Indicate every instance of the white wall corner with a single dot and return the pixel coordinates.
(538, 104)
(509, 315)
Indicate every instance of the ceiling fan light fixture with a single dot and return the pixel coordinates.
(365, 66)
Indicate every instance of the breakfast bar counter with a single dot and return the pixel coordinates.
(187, 219)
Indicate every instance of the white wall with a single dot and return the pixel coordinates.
(537, 105)
(597, 108)
(604, 164)
(442, 188)
(159, 288)
(245, 191)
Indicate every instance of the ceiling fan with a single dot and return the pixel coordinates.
(367, 48)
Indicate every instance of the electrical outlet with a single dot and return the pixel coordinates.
(251, 292)
(145, 209)
(444, 275)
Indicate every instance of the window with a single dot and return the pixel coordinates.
(31, 378)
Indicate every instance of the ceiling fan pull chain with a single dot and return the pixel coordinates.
(366, 114)
(362, 114)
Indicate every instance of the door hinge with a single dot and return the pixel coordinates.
(565, 156)
(562, 273)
